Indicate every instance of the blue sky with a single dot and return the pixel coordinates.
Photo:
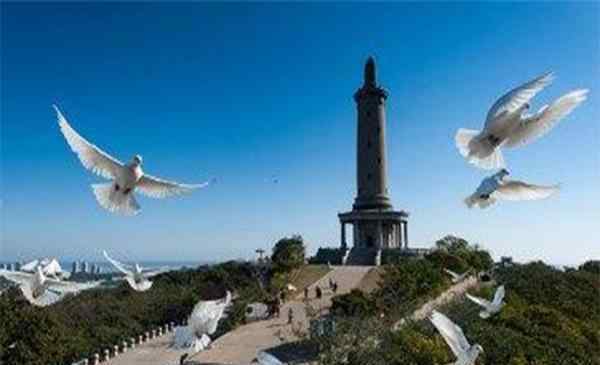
(244, 91)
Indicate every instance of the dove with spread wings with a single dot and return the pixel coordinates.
(117, 196)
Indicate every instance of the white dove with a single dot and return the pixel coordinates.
(492, 307)
(457, 277)
(50, 267)
(117, 196)
(42, 291)
(456, 340)
(508, 125)
(202, 322)
(265, 358)
(497, 187)
(206, 315)
(136, 276)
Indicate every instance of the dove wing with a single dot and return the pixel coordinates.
(154, 272)
(452, 273)
(518, 190)
(479, 301)
(499, 296)
(537, 125)
(70, 286)
(517, 97)
(158, 188)
(18, 277)
(265, 358)
(452, 334)
(91, 157)
(30, 266)
(119, 266)
(141, 286)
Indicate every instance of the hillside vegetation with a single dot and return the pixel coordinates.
(551, 317)
(95, 320)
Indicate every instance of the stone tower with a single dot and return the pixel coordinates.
(376, 226)
(371, 170)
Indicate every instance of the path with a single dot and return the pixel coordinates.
(155, 351)
(447, 296)
(241, 345)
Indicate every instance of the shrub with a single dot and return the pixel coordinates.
(288, 254)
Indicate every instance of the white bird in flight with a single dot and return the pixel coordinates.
(497, 187)
(456, 340)
(41, 290)
(135, 275)
(508, 125)
(206, 315)
(50, 267)
(489, 308)
(265, 358)
(117, 196)
(457, 277)
(202, 322)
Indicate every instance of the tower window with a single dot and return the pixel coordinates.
(368, 114)
(369, 176)
(369, 144)
(379, 160)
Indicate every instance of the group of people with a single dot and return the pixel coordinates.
(333, 286)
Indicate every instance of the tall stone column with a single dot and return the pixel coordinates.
(399, 240)
(379, 235)
(343, 235)
(405, 226)
(371, 162)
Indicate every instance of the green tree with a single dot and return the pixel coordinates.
(288, 254)
(591, 266)
(355, 303)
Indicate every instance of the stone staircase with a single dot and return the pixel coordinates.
(362, 256)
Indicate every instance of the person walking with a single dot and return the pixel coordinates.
(290, 316)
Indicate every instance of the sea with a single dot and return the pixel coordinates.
(106, 267)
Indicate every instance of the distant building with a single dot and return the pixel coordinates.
(17, 266)
(86, 267)
(506, 261)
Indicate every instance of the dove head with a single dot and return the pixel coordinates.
(502, 173)
(137, 160)
(39, 274)
(476, 350)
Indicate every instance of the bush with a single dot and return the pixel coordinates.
(592, 266)
(93, 320)
(355, 303)
(288, 254)
(473, 255)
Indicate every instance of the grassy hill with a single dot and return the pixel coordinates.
(551, 317)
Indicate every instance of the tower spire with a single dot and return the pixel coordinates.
(370, 72)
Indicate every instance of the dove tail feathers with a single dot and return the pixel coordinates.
(470, 201)
(115, 201)
(477, 150)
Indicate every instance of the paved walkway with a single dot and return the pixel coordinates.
(155, 351)
(446, 297)
(240, 346)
